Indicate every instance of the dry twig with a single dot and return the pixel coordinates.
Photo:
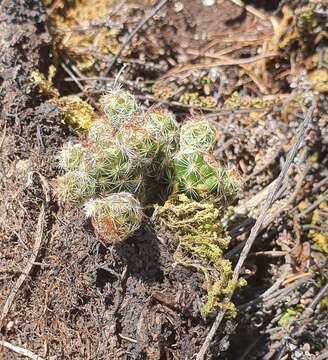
(21, 351)
(231, 62)
(28, 268)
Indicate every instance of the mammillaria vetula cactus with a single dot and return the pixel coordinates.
(197, 173)
(129, 151)
(131, 157)
(116, 216)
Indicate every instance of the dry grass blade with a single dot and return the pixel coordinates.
(28, 268)
(21, 351)
(178, 71)
(257, 227)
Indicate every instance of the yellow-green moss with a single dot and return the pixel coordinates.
(201, 240)
(77, 112)
(288, 313)
(319, 80)
(324, 301)
(320, 238)
(44, 85)
(74, 32)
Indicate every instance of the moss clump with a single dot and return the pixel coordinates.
(77, 112)
(201, 242)
(44, 85)
(77, 31)
(319, 80)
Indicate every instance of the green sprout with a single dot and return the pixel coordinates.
(115, 217)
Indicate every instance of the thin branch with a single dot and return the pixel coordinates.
(28, 268)
(77, 82)
(250, 60)
(309, 310)
(147, 17)
(21, 351)
(256, 228)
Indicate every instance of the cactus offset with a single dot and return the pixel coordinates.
(197, 173)
(115, 217)
(120, 107)
(197, 136)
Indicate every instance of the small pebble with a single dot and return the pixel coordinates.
(209, 2)
(178, 6)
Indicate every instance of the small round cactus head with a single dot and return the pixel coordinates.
(100, 131)
(76, 186)
(194, 176)
(161, 125)
(120, 107)
(197, 136)
(115, 217)
(200, 177)
(71, 156)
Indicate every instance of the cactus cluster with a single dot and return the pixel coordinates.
(126, 153)
(145, 154)
(131, 158)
